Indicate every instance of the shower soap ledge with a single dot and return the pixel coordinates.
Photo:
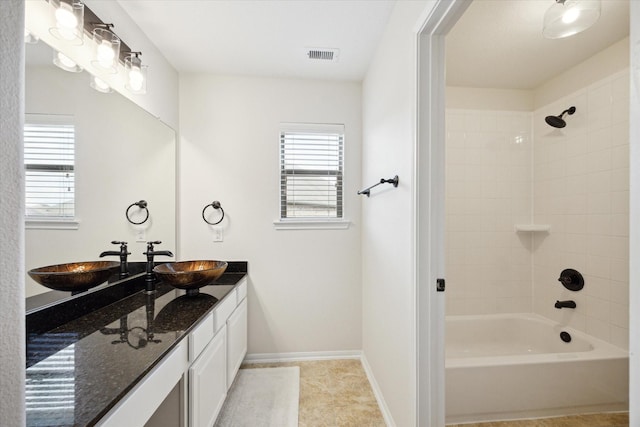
(533, 227)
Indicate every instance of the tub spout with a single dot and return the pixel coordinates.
(565, 304)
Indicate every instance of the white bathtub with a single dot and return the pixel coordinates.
(512, 366)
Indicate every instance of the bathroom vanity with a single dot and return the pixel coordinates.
(120, 356)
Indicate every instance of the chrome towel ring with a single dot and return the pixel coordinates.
(215, 205)
(142, 204)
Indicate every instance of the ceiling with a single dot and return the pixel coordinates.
(264, 37)
(496, 43)
(499, 43)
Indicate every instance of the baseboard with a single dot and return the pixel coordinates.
(386, 414)
(301, 356)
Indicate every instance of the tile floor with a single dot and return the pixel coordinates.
(595, 420)
(334, 393)
(337, 393)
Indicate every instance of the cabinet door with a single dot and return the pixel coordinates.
(207, 382)
(237, 340)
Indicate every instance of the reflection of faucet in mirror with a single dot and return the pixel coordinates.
(149, 279)
(136, 337)
(124, 270)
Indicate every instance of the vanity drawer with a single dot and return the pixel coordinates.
(222, 312)
(241, 290)
(200, 337)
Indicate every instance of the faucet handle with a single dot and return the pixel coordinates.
(116, 242)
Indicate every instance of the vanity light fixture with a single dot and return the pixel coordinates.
(100, 85)
(136, 73)
(568, 17)
(107, 48)
(69, 16)
(64, 62)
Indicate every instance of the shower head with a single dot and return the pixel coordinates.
(558, 121)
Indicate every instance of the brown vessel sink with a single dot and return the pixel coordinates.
(74, 276)
(190, 275)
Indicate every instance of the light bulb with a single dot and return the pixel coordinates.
(571, 15)
(105, 54)
(136, 79)
(100, 85)
(66, 61)
(65, 17)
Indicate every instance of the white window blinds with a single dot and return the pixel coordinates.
(49, 146)
(311, 171)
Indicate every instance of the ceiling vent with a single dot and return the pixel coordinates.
(323, 54)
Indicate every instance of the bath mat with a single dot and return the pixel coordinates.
(264, 397)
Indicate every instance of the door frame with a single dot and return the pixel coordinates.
(430, 209)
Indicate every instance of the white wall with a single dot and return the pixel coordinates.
(123, 154)
(581, 182)
(388, 300)
(12, 345)
(305, 285)
(488, 192)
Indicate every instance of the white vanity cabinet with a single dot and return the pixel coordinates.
(191, 383)
(213, 371)
(207, 382)
(237, 335)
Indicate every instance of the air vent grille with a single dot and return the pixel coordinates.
(323, 54)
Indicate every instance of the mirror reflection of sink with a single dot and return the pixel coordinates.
(190, 275)
(74, 276)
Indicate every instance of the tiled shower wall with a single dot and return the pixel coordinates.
(488, 190)
(581, 189)
(579, 186)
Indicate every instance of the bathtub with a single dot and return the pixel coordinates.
(513, 366)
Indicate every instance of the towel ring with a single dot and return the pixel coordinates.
(214, 205)
(142, 204)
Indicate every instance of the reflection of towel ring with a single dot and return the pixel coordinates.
(142, 204)
(214, 205)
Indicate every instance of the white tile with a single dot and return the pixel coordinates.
(598, 161)
(620, 202)
(620, 270)
(599, 245)
(599, 224)
(598, 266)
(620, 156)
(620, 337)
(599, 96)
(598, 308)
(619, 247)
(619, 292)
(599, 203)
(599, 140)
(620, 179)
(597, 287)
(598, 328)
(620, 315)
(620, 134)
(599, 182)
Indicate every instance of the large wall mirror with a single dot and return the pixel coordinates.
(122, 155)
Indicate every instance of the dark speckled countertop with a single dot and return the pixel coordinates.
(83, 363)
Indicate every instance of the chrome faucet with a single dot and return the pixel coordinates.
(565, 304)
(122, 253)
(149, 279)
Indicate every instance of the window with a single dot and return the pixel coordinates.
(311, 172)
(49, 145)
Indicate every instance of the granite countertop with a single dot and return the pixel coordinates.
(80, 366)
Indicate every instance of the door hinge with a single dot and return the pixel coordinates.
(440, 285)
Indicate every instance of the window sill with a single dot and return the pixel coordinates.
(51, 224)
(310, 224)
